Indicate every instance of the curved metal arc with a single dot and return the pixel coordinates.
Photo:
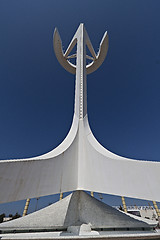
(60, 149)
(62, 57)
(47, 174)
(57, 45)
(110, 173)
(93, 66)
(65, 144)
(98, 147)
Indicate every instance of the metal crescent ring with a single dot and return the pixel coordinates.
(93, 66)
(57, 45)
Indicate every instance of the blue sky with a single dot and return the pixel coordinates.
(37, 94)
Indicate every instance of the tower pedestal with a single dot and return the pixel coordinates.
(77, 214)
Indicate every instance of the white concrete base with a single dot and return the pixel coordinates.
(75, 210)
(82, 230)
(117, 235)
(78, 216)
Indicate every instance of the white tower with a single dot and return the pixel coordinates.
(79, 162)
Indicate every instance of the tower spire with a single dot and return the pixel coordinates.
(81, 70)
(79, 162)
(81, 78)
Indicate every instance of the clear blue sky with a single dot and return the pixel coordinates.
(36, 93)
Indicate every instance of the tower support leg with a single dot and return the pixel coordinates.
(26, 207)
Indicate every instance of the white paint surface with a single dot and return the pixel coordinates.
(80, 162)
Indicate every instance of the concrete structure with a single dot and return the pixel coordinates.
(76, 209)
(78, 163)
(79, 214)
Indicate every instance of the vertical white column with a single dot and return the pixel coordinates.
(81, 96)
(81, 84)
